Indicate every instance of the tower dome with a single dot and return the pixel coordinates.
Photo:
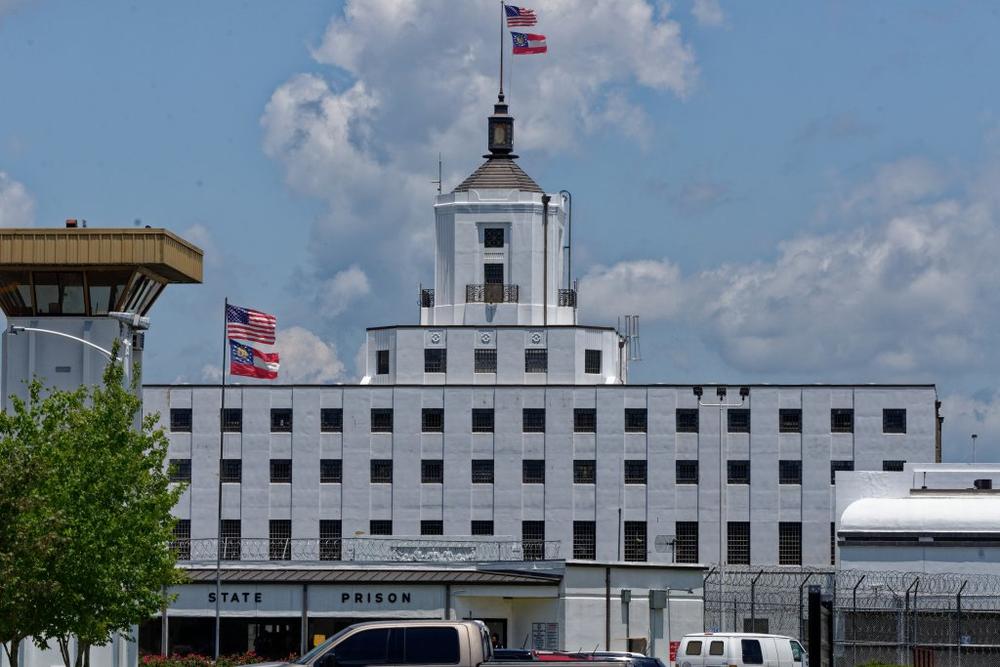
(500, 171)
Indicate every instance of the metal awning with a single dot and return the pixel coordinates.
(286, 575)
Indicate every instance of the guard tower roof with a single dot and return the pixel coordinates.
(499, 173)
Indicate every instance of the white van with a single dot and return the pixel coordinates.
(735, 649)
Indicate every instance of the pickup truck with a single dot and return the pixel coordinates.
(426, 643)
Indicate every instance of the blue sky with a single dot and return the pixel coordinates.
(785, 192)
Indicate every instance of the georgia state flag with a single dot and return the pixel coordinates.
(525, 43)
(249, 361)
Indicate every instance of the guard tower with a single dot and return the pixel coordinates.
(68, 282)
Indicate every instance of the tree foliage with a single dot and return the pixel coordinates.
(84, 515)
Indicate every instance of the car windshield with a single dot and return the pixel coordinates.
(319, 650)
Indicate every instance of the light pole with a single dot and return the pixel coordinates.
(974, 436)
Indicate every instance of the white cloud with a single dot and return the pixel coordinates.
(211, 373)
(965, 415)
(339, 291)
(17, 206)
(708, 13)
(306, 358)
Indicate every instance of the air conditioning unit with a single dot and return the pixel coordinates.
(983, 484)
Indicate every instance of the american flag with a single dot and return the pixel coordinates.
(519, 17)
(249, 324)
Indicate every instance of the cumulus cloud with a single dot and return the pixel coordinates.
(339, 291)
(708, 13)
(306, 358)
(17, 206)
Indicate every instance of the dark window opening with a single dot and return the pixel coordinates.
(435, 360)
(431, 527)
(789, 472)
(381, 420)
(533, 471)
(381, 471)
(382, 362)
(686, 542)
(482, 420)
(842, 420)
(232, 420)
(839, 465)
(687, 420)
(432, 420)
(584, 420)
(486, 360)
(893, 466)
(635, 541)
(635, 471)
(331, 471)
(180, 420)
(232, 471)
(533, 540)
(738, 548)
(584, 471)
(789, 543)
(790, 420)
(329, 539)
(180, 470)
(584, 540)
(432, 471)
(635, 420)
(739, 472)
(894, 420)
(280, 543)
(380, 527)
(281, 420)
(181, 542)
(493, 237)
(739, 420)
(533, 420)
(229, 545)
(281, 471)
(482, 471)
(686, 471)
(592, 361)
(331, 420)
(482, 527)
(536, 360)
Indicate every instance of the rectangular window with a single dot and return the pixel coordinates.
(232, 471)
(592, 361)
(833, 543)
(381, 420)
(533, 420)
(635, 541)
(435, 360)
(232, 420)
(686, 471)
(331, 420)
(432, 420)
(482, 471)
(738, 551)
(790, 420)
(584, 471)
(229, 545)
(482, 420)
(280, 546)
(635, 420)
(894, 420)
(281, 471)
(533, 471)
(584, 420)
(486, 361)
(180, 470)
(533, 540)
(739, 472)
(382, 362)
(431, 527)
(181, 543)
(180, 420)
(686, 542)
(687, 420)
(585, 540)
(380, 527)
(329, 539)
(331, 471)
(842, 420)
(482, 527)
(493, 273)
(789, 472)
(432, 471)
(493, 237)
(789, 543)
(839, 465)
(635, 471)
(893, 466)
(536, 360)
(739, 420)
(281, 420)
(381, 471)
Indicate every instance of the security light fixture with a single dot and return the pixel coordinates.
(133, 320)
(698, 391)
(744, 392)
(721, 393)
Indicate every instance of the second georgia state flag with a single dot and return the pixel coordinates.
(526, 43)
(246, 360)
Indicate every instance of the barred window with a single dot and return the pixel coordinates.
(280, 544)
(839, 465)
(585, 420)
(232, 470)
(584, 471)
(432, 420)
(893, 466)
(842, 420)
(381, 471)
(486, 360)
(331, 420)
(331, 471)
(533, 540)
(281, 420)
(329, 539)
(482, 527)
(635, 471)
(533, 471)
(789, 472)
(533, 420)
(686, 542)
(181, 542)
(585, 540)
(380, 527)
(232, 420)
(635, 420)
(482, 420)
(894, 420)
(686, 471)
(536, 360)
(789, 543)
(229, 545)
(482, 471)
(180, 470)
(790, 420)
(180, 420)
(687, 420)
(435, 360)
(431, 527)
(432, 471)
(738, 551)
(281, 471)
(381, 420)
(833, 543)
(592, 361)
(635, 541)
(739, 472)
(739, 420)
(493, 237)
(382, 362)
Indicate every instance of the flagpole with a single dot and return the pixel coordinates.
(218, 542)
(502, 14)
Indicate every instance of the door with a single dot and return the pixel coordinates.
(493, 279)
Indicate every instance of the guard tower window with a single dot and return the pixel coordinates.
(382, 362)
(180, 420)
(536, 360)
(435, 360)
(106, 289)
(59, 293)
(493, 237)
(486, 361)
(592, 361)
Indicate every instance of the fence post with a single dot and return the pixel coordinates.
(753, 602)
(704, 609)
(907, 637)
(958, 611)
(802, 618)
(854, 617)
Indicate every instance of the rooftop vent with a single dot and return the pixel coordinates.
(983, 484)
(70, 223)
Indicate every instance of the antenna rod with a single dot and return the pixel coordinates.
(502, 13)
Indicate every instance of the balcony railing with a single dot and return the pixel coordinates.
(367, 550)
(567, 297)
(491, 293)
(426, 298)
